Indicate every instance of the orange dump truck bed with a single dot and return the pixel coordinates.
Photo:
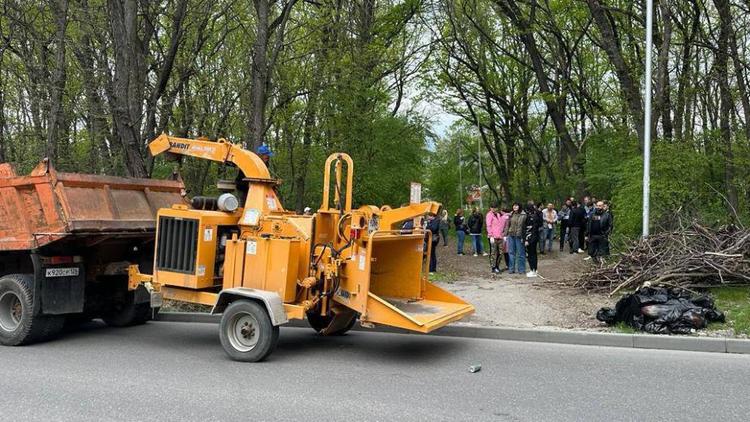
(46, 205)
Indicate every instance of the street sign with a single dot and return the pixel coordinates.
(475, 194)
(415, 196)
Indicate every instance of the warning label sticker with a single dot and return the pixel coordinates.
(251, 248)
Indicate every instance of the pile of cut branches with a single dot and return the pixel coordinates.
(689, 257)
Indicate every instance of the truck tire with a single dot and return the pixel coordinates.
(319, 322)
(18, 325)
(246, 331)
(128, 314)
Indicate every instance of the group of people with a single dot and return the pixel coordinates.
(518, 234)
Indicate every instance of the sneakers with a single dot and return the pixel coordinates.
(485, 254)
(476, 254)
(496, 271)
(531, 274)
(460, 254)
(581, 250)
(587, 258)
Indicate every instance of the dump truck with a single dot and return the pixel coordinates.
(78, 247)
(66, 243)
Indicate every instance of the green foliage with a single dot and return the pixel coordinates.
(681, 188)
(445, 182)
(607, 153)
(735, 303)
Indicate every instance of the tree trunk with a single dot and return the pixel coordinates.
(629, 86)
(510, 9)
(682, 111)
(262, 66)
(166, 70)
(663, 103)
(3, 138)
(739, 68)
(57, 88)
(722, 72)
(125, 100)
(259, 72)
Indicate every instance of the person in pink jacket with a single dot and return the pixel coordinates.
(496, 221)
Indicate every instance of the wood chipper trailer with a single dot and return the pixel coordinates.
(260, 266)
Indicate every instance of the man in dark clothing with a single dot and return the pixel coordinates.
(433, 225)
(588, 206)
(577, 225)
(460, 224)
(476, 221)
(598, 230)
(533, 223)
(608, 211)
(563, 217)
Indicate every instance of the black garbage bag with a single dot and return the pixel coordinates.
(660, 310)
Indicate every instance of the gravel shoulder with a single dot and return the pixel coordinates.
(517, 301)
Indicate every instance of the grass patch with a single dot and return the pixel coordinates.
(623, 328)
(735, 303)
(447, 277)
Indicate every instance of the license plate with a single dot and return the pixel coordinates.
(61, 272)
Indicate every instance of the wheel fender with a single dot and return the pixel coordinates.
(271, 300)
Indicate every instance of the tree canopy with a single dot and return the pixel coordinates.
(546, 93)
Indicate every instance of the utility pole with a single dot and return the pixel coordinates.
(647, 120)
(479, 158)
(460, 178)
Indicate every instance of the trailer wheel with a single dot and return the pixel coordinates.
(18, 325)
(246, 331)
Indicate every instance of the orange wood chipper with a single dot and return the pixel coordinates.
(81, 246)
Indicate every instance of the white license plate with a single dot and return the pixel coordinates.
(61, 272)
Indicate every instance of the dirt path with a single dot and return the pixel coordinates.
(517, 301)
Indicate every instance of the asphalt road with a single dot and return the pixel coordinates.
(178, 372)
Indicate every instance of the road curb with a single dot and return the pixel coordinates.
(585, 338)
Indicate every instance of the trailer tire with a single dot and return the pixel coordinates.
(18, 324)
(246, 331)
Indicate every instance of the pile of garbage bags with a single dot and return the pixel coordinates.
(659, 310)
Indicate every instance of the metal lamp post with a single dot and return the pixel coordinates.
(647, 120)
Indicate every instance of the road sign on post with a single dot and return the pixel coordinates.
(475, 195)
(415, 196)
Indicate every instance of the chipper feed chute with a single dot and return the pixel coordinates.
(386, 283)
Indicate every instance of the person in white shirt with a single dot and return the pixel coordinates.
(549, 216)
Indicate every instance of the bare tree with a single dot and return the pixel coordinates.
(263, 61)
(725, 94)
(611, 44)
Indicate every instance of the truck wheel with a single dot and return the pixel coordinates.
(246, 331)
(18, 325)
(128, 315)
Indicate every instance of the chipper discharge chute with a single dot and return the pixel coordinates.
(260, 265)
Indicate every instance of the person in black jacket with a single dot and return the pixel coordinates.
(433, 225)
(459, 222)
(476, 221)
(577, 225)
(597, 232)
(533, 223)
